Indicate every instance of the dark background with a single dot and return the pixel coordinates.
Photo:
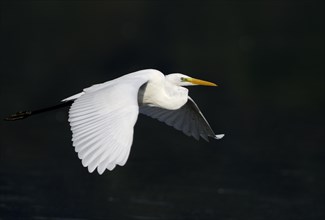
(266, 56)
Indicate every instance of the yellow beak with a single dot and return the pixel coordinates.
(201, 82)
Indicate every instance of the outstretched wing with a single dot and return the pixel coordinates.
(102, 120)
(188, 119)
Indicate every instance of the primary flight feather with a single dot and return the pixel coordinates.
(102, 117)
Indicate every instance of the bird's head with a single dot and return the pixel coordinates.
(184, 80)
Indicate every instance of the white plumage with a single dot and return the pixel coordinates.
(102, 117)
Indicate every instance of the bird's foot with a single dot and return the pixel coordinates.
(18, 116)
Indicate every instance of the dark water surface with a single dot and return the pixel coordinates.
(268, 59)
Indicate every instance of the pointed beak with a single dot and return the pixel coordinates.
(201, 82)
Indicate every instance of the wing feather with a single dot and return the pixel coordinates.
(81, 140)
(188, 119)
(102, 120)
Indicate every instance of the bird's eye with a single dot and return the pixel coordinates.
(183, 79)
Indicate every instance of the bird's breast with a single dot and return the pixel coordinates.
(171, 97)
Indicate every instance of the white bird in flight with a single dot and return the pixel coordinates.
(102, 117)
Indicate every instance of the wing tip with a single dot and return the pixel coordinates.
(219, 136)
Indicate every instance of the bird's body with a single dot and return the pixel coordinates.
(102, 117)
(162, 93)
(154, 89)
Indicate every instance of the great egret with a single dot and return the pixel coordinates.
(102, 116)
